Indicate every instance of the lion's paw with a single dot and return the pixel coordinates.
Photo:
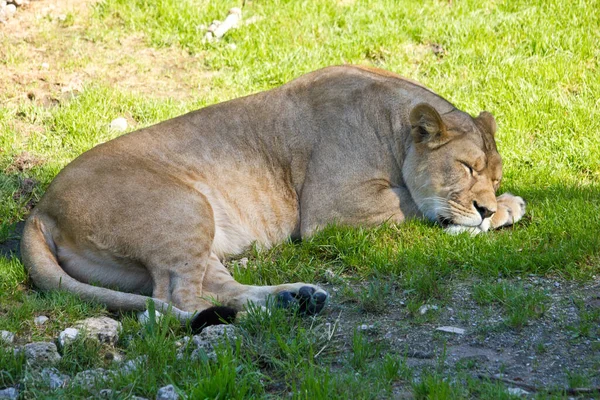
(309, 299)
(511, 209)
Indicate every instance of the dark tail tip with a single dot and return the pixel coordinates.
(213, 316)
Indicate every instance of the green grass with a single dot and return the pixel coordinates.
(518, 304)
(533, 64)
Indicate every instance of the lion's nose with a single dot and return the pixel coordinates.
(483, 211)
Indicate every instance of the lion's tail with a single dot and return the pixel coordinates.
(39, 257)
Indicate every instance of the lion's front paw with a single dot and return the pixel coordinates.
(511, 209)
(308, 298)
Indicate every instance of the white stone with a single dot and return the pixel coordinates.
(40, 320)
(144, 317)
(167, 393)
(53, 378)
(426, 307)
(365, 327)
(9, 393)
(517, 392)
(7, 337)
(203, 344)
(41, 354)
(119, 124)
(104, 329)
(10, 10)
(451, 329)
(68, 336)
(45, 65)
(133, 365)
(91, 377)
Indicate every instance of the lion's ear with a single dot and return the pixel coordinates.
(427, 125)
(487, 121)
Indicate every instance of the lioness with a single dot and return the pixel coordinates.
(153, 212)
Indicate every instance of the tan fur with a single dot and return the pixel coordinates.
(153, 212)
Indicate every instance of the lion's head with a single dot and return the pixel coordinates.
(452, 167)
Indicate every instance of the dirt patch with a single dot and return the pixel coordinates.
(55, 53)
(550, 353)
(24, 162)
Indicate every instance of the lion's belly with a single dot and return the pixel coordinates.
(250, 211)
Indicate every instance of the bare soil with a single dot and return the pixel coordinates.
(547, 354)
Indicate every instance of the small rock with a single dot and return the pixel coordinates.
(366, 328)
(9, 393)
(7, 337)
(107, 394)
(91, 377)
(232, 46)
(556, 284)
(10, 10)
(40, 354)
(167, 393)
(45, 65)
(53, 378)
(18, 2)
(205, 342)
(244, 262)
(131, 366)
(67, 336)
(214, 333)
(104, 329)
(517, 392)
(119, 124)
(40, 320)
(144, 317)
(451, 329)
(426, 307)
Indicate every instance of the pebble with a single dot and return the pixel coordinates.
(103, 329)
(365, 327)
(9, 393)
(10, 10)
(426, 307)
(53, 378)
(91, 377)
(40, 320)
(144, 317)
(41, 354)
(7, 337)
(451, 329)
(167, 393)
(119, 124)
(67, 336)
(517, 392)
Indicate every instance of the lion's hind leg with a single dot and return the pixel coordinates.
(218, 282)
